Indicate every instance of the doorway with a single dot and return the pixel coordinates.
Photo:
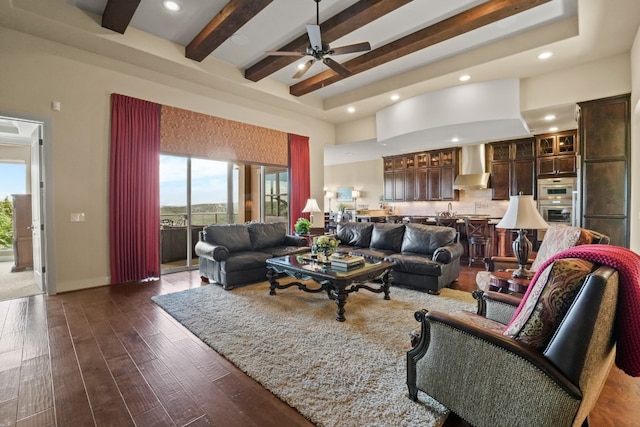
(22, 235)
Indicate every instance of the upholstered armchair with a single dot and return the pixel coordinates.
(546, 368)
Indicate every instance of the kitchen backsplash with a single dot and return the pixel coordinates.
(476, 202)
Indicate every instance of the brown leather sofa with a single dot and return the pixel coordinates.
(236, 254)
(424, 256)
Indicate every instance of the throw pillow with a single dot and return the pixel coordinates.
(387, 237)
(548, 302)
(557, 239)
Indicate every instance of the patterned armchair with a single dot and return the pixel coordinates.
(546, 368)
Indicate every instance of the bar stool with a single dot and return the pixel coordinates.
(478, 238)
(446, 221)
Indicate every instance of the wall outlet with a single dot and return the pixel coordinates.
(77, 216)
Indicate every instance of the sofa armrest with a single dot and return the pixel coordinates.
(446, 254)
(212, 252)
(291, 240)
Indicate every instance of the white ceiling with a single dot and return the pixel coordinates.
(505, 49)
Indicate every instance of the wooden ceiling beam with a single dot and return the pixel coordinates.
(476, 17)
(233, 15)
(118, 14)
(345, 22)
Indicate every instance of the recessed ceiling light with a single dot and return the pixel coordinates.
(395, 97)
(455, 139)
(301, 65)
(171, 5)
(351, 109)
(545, 55)
(464, 77)
(553, 128)
(550, 117)
(348, 154)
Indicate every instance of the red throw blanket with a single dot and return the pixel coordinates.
(628, 309)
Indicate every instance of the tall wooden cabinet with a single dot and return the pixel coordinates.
(513, 167)
(605, 145)
(22, 235)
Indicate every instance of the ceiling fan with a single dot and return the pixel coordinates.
(320, 52)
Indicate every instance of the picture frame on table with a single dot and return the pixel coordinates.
(343, 194)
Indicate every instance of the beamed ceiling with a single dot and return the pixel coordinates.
(235, 14)
(416, 46)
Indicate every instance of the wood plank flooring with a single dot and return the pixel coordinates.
(110, 357)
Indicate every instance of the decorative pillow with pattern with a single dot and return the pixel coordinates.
(548, 302)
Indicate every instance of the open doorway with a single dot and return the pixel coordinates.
(21, 233)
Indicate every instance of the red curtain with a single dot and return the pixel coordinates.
(299, 181)
(134, 200)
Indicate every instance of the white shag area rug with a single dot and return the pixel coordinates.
(349, 373)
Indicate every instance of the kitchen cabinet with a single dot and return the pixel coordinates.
(604, 127)
(557, 154)
(420, 176)
(512, 167)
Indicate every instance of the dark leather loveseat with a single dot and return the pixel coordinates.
(236, 254)
(424, 256)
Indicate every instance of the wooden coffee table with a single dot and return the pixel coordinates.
(337, 285)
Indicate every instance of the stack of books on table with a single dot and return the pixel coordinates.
(346, 262)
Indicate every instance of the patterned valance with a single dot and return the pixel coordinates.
(184, 132)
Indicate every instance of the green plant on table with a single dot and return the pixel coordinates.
(302, 226)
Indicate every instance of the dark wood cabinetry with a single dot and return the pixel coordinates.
(512, 167)
(421, 176)
(557, 154)
(605, 147)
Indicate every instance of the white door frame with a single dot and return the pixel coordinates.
(46, 200)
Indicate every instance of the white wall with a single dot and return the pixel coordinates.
(363, 176)
(36, 72)
(635, 144)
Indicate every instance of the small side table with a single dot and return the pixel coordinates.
(518, 285)
(502, 281)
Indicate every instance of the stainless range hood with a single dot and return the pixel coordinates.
(473, 176)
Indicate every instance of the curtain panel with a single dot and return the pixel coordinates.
(300, 182)
(134, 200)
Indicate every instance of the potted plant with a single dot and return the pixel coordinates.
(302, 226)
(342, 207)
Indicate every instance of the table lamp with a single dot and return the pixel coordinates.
(311, 207)
(521, 215)
(354, 195)
(329, 195)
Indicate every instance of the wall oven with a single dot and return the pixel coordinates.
(555, 199)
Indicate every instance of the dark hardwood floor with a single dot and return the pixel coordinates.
(109, 356)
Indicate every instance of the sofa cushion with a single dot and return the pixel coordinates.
(246, 260)
(415, 264)
(387, 237)
(355, 234)
(266, 235)
(425, 239)
(234, 237)
(548, 301)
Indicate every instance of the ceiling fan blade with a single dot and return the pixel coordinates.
(304, 68)
(358, 47)
(314, 36)
(285, 53)
(338, 68)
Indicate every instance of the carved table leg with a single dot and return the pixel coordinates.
(341, 300)
(271, 276)
(385, 284)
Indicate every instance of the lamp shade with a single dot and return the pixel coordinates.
(355, 194)
(311, 206)
(522, 214)
(329, 195)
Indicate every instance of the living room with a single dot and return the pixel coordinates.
(55, 52)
